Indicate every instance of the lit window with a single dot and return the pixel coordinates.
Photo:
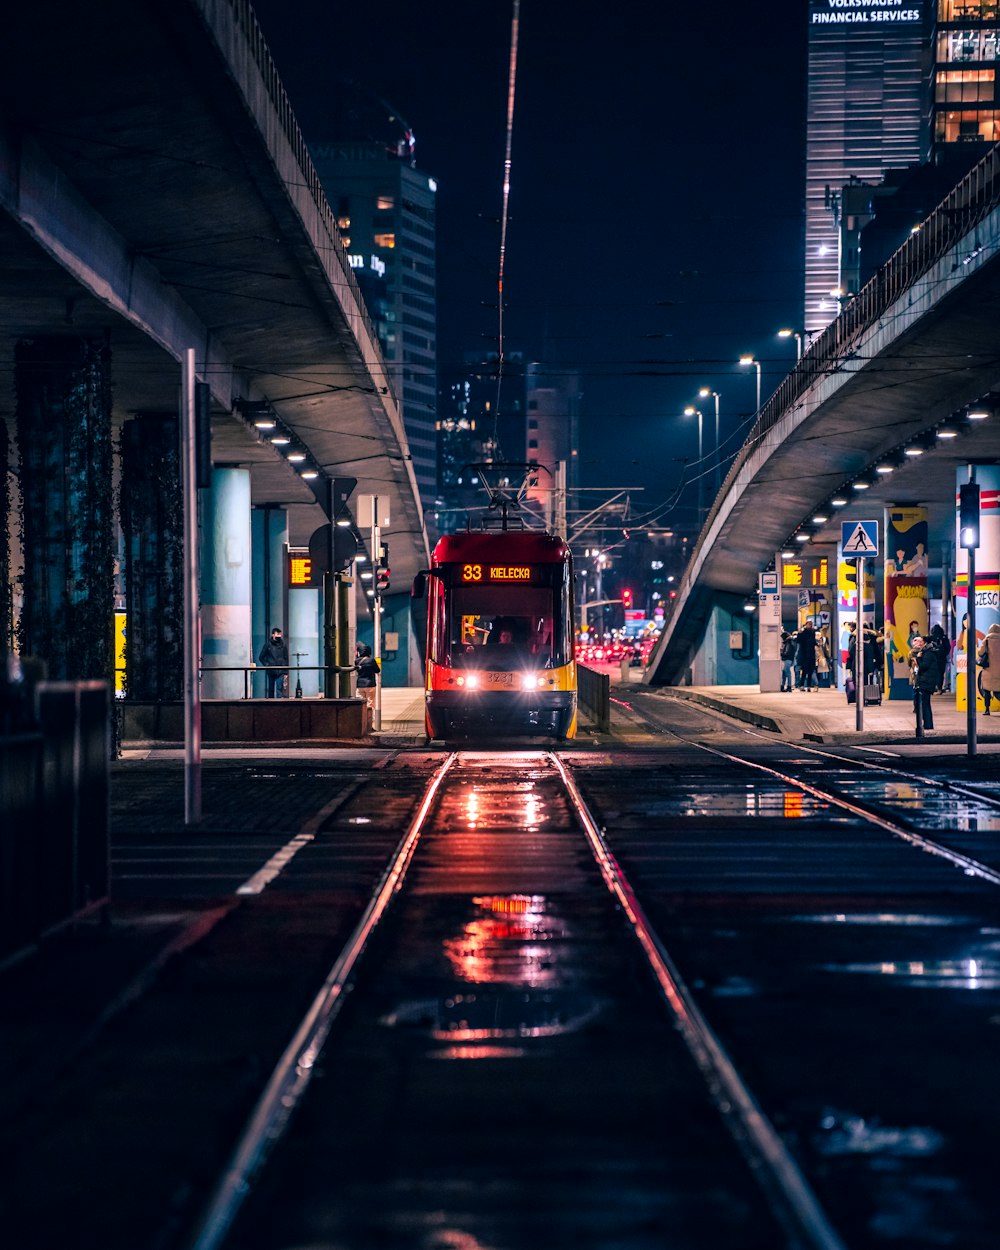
(343, 223)
(384, 202)
(385, 240)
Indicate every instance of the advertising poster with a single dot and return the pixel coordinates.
(847, 606)
(987, 575)
(906, 598)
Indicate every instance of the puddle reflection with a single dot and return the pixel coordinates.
(519, 976)
(959, 974)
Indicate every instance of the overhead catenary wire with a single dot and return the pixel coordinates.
(511, 80)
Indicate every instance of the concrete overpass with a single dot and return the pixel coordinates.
(156, 190)
(910, 354)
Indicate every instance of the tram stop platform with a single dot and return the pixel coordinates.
(824, 715)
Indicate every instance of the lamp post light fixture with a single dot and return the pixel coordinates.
(703, 393)
(696, 412)
(749, 360)
(793, 334)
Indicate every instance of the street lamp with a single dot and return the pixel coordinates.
(793, 334)
(704, 393)
(749, 360)
(695, 412)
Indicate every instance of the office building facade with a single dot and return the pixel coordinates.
(385, 209)
(867, 112)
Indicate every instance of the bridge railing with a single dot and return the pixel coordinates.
(247, 20)
(969, 203)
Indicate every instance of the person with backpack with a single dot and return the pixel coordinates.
(787, 660)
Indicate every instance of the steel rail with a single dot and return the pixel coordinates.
(293, 1072)
(972, 867)
(952, 787)
(796, 1206)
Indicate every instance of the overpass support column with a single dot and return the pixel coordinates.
(269, 540)
(152, 522)
(225, 588)
(987, 588)
(304, 612)
(63, 399)
(907, 608)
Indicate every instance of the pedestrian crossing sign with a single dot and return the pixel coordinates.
(859, 538)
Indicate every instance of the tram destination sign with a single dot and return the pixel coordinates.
(486, 573)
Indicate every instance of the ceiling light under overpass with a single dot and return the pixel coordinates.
(978, 415)
(914, 451)
(885, 468)
(819, 519)
(802, 538)
(838, 502)
(947, 433)
(862, 485)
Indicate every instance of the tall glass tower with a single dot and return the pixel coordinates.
(869, 65)
(385, 209)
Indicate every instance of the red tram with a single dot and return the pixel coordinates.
(500, 636)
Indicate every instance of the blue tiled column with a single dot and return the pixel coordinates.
(269, 535)
(225, 582)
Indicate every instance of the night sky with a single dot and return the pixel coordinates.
(656, 211)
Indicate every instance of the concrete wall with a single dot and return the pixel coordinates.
(715, 663)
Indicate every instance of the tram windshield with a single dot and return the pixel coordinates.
(488, 627)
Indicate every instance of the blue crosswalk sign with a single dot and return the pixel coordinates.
(858, 538)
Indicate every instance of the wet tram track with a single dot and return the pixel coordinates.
(942, 813)
(504, 1074)
(855, 981)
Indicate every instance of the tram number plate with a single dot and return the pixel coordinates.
(499, 679)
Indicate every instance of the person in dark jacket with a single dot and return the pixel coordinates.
(924, 676)
(273, 654)
(806, 657)
(367, 671)
(938, 644)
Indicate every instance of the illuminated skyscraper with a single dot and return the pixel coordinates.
(385, 210)
(869, 65)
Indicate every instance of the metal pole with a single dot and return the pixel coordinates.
(344, 586)
(859, 650)
(377, 618)
(971, 687)
(192, 689)
(718, 454)
(329, 635)
(701, 477)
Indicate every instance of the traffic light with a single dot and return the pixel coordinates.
(382, 571)
(968, 515)
(626, 598)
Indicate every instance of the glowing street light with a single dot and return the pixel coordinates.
(703, 393)
(793, 334)
(695, 412)
(749, 360)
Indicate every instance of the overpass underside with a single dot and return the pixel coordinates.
(873, 384)
(156, 196)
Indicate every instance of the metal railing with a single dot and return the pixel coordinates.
(594, 690)
(246, 19)
(248, 671)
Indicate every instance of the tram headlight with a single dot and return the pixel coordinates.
(470, 681)
(530, 682)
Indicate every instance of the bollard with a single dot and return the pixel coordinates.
(919, 711)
